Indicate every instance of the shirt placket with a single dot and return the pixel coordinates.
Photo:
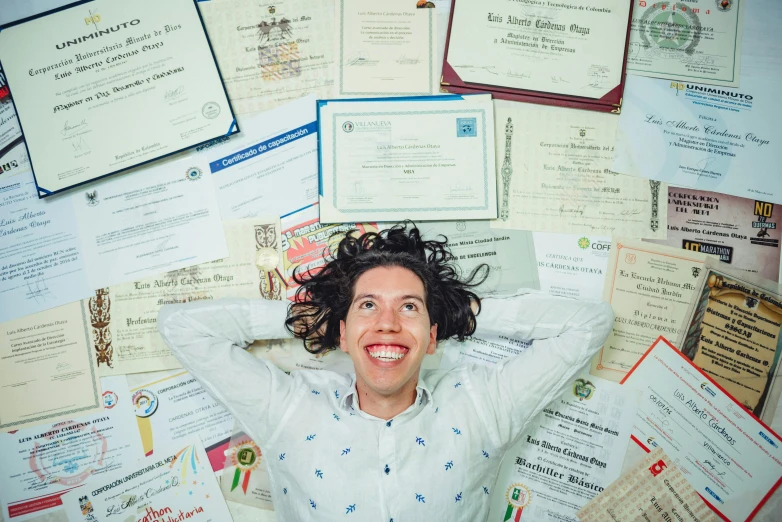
(389, 469)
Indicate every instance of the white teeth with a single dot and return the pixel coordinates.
(387, 355)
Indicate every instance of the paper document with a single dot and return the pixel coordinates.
(567, 454)
(729, 457)
(38, 465)
(650, 288)
(386, 52)
(702, 137)
(426, 158)
(555, 174)
(46, 368)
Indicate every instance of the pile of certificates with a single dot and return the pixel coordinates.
(618, 150)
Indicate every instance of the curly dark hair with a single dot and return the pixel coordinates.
(325, 295)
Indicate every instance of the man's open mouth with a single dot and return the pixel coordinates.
(387, 352)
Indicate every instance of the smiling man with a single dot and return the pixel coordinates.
(390, 442)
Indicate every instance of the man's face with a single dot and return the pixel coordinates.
(386, 331)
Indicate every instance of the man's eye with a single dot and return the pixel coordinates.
(409, 307)
(367, 304)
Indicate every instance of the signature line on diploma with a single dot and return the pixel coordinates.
(68, 130)
(704, 164)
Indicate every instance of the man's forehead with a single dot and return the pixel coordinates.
(391, 283)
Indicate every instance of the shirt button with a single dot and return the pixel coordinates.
(387, 469)
(388, 424)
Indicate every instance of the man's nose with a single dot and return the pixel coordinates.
(388, 320)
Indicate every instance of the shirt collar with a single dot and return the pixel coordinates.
(348, 401)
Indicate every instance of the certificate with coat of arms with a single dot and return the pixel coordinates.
(567, 455)
(176, 484)
(104, 86)
(696, 40)
(272, 53)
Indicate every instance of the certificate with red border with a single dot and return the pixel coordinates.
(730, 457)
(571, 54)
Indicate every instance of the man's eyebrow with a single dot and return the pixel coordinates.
(402, 298)
(413, 296)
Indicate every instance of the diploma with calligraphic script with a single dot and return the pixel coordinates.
(570, 53)
(567, 454)
(730, 458)
(702, 137)
(123, 318)
(650, 288)
(103, 86)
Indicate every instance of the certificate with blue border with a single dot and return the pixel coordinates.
(420, 158)
(104, 86)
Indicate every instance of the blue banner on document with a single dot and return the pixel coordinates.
(265, 146)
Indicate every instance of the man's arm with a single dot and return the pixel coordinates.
(209, 337)
(566, 334)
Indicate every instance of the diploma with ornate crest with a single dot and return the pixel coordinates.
(557, 53)
(86, 78)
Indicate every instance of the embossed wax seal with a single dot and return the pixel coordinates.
(266, 259)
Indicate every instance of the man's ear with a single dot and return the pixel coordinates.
(432, 340)
(343, 343)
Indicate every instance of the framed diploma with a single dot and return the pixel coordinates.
(10, 133)
(571, 54)
(104, 86)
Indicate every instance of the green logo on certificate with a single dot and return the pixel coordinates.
(583, 243)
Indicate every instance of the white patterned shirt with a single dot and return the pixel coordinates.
(437, 460)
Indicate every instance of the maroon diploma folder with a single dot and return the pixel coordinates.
(611, 102)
